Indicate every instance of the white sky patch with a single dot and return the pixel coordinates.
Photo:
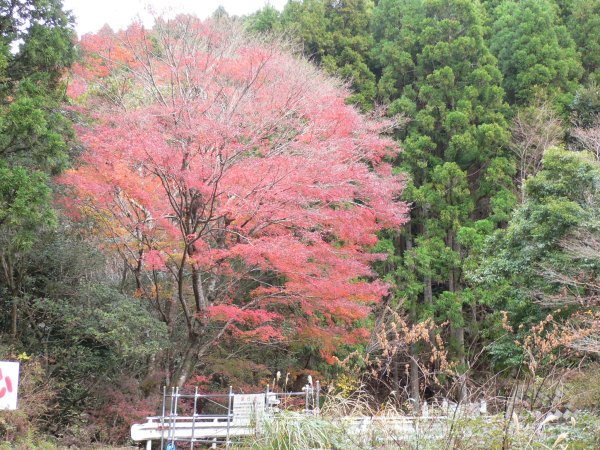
(91, 15)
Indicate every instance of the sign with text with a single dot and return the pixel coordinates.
(248, 405)
(9, 382)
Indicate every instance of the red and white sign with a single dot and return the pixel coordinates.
(9, 382)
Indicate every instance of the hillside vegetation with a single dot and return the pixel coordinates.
(399, 198)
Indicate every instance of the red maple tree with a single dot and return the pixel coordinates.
(238, 187)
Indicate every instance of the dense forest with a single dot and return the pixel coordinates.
(399, 197)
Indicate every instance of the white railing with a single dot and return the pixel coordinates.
(242, 414)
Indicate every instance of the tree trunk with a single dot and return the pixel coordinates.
(188, 362)
(13, 319)
(395, 372)
(450, 242)
(201, 301)
(459, 337)
(9, 275)
(413, 376)
(427, 291)
(415, 393)
(458, 332)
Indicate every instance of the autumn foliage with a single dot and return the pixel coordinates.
(241, 191)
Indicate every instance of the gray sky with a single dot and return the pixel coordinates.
(93, 14)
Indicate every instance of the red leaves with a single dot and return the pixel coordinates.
(226, 312)
(211, 144)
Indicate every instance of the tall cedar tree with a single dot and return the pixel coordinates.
(237, 185)
(584, 23)
(437, 70)
(535, 52)
(336, 35)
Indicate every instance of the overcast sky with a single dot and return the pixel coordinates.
(93, 14)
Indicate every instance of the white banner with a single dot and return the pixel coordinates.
(9, 383)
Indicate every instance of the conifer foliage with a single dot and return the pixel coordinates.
(438, 71)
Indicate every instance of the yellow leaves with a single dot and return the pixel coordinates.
(346, 385)
(23, 357)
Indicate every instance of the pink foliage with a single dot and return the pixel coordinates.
(154, 260)
(230, 157)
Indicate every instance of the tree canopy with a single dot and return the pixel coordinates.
(535, 51)
(233, 178)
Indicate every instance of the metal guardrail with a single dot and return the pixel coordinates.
(182, 419)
